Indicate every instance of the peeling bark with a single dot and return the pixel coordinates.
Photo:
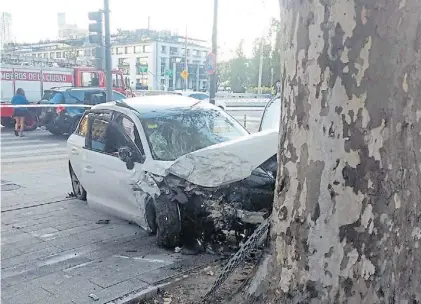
(346, 224)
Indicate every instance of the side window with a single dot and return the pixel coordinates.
(90, 79)
(97, 98)
(98, 134)
(82, 130)
(118, 96)
(131, 131)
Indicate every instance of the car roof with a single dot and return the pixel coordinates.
(85, 89)
(155, 103)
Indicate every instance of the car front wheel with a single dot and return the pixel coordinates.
(78, 190)
(168, 223)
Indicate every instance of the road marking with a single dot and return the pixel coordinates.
(41, 158)
(29, 147)
(40, 151)
(19, 141)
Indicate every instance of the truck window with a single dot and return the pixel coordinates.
(117, 81)
(90, 79)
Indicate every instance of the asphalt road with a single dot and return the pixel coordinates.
(55, 249)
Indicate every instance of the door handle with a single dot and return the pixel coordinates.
(74, 151)
(89, 169)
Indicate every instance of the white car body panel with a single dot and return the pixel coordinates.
(226, 162)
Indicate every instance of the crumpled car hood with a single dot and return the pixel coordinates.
(226, 162)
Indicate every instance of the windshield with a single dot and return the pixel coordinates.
(176, 133)
(271, 115)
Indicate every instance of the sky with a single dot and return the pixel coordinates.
(237, 19)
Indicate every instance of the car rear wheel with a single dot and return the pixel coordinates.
(168, 223)
(8, 122)
(55, 132)
(78, 190)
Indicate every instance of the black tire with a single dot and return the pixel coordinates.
(150, 214)
(55, 132)
(168, 223)
(33, 127)
(8, 122)
(78, 190)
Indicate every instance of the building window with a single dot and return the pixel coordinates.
(173, 51)
(58, 54)
(163, 49)
(119, 50)
(204, 54)
(122, 61)
(52, 55)
(128, 50)
(138, 49)
(146, 49)
(112, 51)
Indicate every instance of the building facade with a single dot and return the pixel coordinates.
(6, 35)
(158, 64)
(148, 59)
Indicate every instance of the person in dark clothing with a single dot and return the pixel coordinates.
(19, 114)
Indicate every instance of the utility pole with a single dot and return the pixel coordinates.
(259, 87)
(185, 62)
(213, 77)
(108, 73)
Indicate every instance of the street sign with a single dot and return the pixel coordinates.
(184, 74)
(210, 64)
(168, 73)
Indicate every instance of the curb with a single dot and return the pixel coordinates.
(148, 292)
(152, 290)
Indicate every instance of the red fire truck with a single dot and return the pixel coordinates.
(34, 80)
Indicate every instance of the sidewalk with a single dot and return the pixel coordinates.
(56, 253)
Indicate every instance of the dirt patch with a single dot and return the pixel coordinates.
(194, 288)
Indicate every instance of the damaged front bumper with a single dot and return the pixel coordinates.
(221, 215)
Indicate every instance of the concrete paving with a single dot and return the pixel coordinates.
(54, 249)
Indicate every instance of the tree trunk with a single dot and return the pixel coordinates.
(346, 223)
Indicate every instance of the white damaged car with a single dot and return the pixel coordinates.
(178, 167)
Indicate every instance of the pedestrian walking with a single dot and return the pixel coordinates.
(19, 114)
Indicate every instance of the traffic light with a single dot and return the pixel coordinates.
(95, 37)
(95, 29)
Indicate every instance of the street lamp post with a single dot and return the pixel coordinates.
(108, 73)
(213, 77)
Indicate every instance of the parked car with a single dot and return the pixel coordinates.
(271, 115)
(271, 121)
(202, 96)
(61, 120)
(181, 168)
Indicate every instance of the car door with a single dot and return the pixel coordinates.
(107, 180)
(271, 115)
(76, 143)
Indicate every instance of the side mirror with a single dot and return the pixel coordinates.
(126, 155)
